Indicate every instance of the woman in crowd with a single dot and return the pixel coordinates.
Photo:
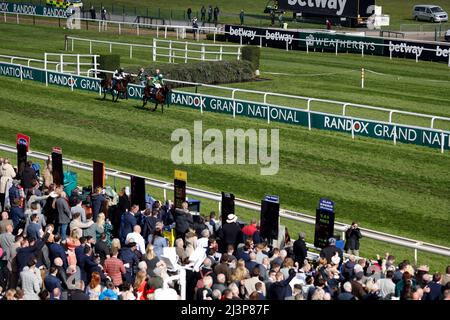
(94, 288)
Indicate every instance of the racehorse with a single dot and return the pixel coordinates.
(160, 97)
(120, 88)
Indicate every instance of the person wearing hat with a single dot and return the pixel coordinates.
(7, 174)
(231, 233)
(117, 77)
(329, 251)
(352, 236)
(300, 250)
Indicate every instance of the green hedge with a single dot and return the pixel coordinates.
(219, 37)
(109, 62)
(252, 54)
(209, 72)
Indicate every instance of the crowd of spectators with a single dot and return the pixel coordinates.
(97, 245)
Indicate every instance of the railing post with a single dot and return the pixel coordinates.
(90, 47)
(239, 53)
(99, 26)
(220, 52)
(72, 43)
(337, 44)
(61, 59)
(165, 194)
(170, 51)
(265, 97)
(390, 116)
(215, 31)
(344, 106)
(353, 130)
(232, 93)
(110, 47)
(307, 47)
(415, 256)
(154, 49)
(185, 52)
(432, 122)
(442, 141)
(17, 18)
(120, 28)
(308, 107)
(203, 52)
(287, 45)
(78, 64)
(21, 77)
(157, 31)
(362, 51)
(131, 51)
(137, 29)
(165, 32)
(260, 42)
(268, 115)
(395, 134)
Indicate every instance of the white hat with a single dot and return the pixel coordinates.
(53, 194)
(231, 218)
(335, 259)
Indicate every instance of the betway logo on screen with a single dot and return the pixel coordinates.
(336, 5)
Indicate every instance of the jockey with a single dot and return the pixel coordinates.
(117, 77)
(142, 76)
(156, 82)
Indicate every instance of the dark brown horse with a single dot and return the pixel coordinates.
(119, 90)
(160, 96)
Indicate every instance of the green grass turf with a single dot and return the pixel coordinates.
(397, 189)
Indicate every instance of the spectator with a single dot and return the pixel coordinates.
(47, 174)
(241, 16)
(18, 216)
(216, 14)
(446, 277)
(78, 208)
(6, 242)
(210, 12)
(7, 174)
(5, 221)
(203, 14)
(130, 261)
(230, 233)
(94, 288)
(135, 236)
(347, 292)
(77, 226)
(352, 236)
(386, 286)
(127, 292)
(110, 292)
(300, 250)
(28, 176)
(250, 229)
(183, 220)
(158, 241)
(114, 268)
(128, 222)
(329, 251)
(433, 288)
(51, 280)
(63, 218)
(195, 29)
(189, 13)
(405, 286)
(78, 292)
(34, 229)
(281, 289)
(31, 280)
(103, 13)
(92, 11)
(97, 200)
(328, 24)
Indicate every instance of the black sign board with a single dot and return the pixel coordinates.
(324, 223)
(57, 163)
(179, 193)
(138, 191)
(331, 8)
(416, 49)
(270, 212)
(226, 206)
(98, 174)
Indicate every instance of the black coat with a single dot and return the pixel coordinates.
(97, 204)
(28, 175)
(281, 289)
(352, 237)
(329, 251)
(183, 221)
(231, 233)
(300, 251)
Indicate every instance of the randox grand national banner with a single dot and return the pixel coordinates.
(30, 9)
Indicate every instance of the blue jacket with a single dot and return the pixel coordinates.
(129, 256)
(96, 202)
(87, 266)
(33, 230)
(250, 265)
(281, 289)
(17, 214)
(127, 224)
(51, 282)
(24, 254)
(55, 250)
(110, 294)
(14, 193)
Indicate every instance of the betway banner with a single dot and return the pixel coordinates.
(411, 50)
(275, 38)
(338, 8)
(345, 43)
(380, 130)
(30, 9)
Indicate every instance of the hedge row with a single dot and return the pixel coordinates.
(209, 72)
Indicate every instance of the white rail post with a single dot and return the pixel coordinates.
(99, 26)
(137, 29)
(71, 82)
(4, 16)
(203, 52)
(308, 107)
(362, 78)
(95, 66)
(170, 51)
(61, 60)
(131, 51)
(220, 52)
(78, 64)
(362, 51)
(353, 129)
(287, 45)
(268, 115)
(415, 255)
(165, 194)
(110, 47)
(449, 60)
(390, 116)
(45, 67)
(72, 44)
(165, 32)
(185, 52)
(21, 76)
(417, 58)
(90, 47)
(154, 50)
(239, 53)
(432, 122)
(265, 97)
(240, 40)
(157, 31)
(395, 134)
(215, 31)
(120, 28)
(307, 47)
(260, 42)
(176, 29)
(17, 18)
(337, 44)
(390, 54)
(442, 141)
(344, 106)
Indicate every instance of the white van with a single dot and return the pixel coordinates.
(430, 13)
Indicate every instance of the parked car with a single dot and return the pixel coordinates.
(430, 13)
(447, 35)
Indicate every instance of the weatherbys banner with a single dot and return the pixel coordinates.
(413, 50)
(275, 38)
(25, 8)
(345, 43)
(379, 130)
(339, 8)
